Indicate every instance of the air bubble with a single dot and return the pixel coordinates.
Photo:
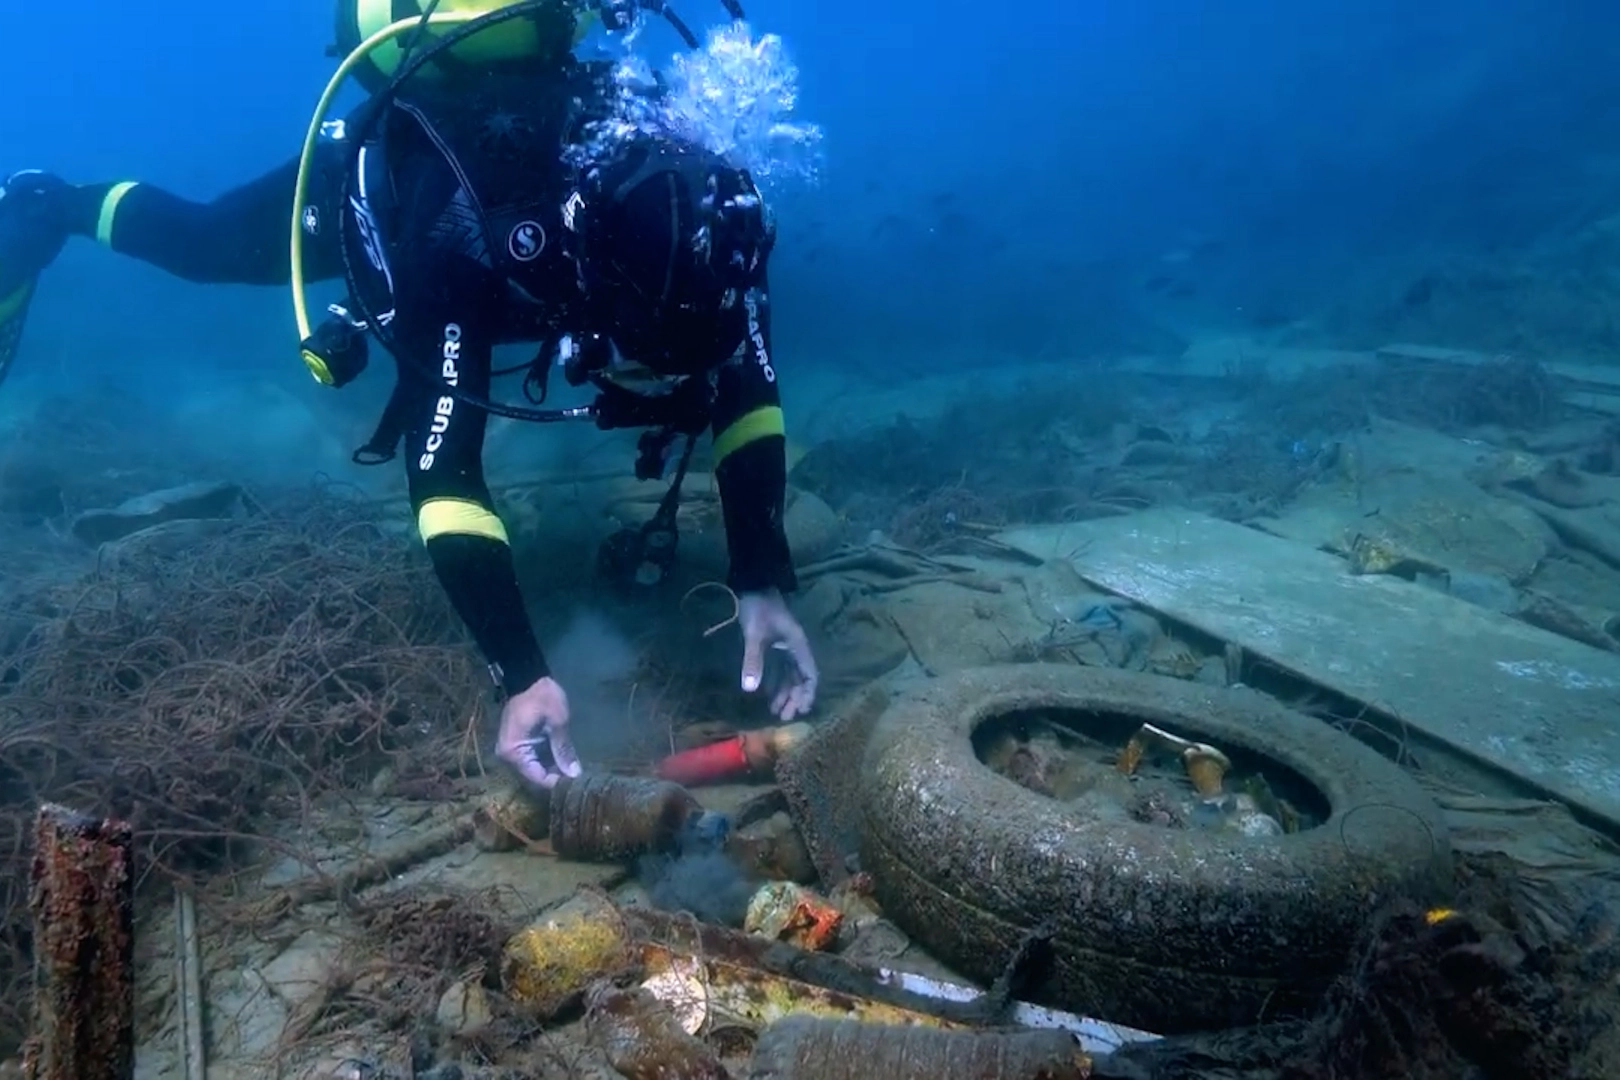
(735, 97)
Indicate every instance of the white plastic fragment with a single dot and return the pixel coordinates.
(1096, 1037)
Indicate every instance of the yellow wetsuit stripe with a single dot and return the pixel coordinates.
(109, 211)
(458, 517)
(749, 427)
(11, 306)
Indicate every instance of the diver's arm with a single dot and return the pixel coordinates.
(750, 453)
(443, 338)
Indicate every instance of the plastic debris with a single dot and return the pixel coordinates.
(783, 911)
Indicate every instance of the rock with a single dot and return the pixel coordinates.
(1483, 590)
(1466, 531)
(1580, 580)
(946, 627)
(246, 1020)
(189, 501)
(1549, 614)
(1152, 452)
(855, 641)
(304, 968)
(349, 1061)
(464, 1009)
(383, 781)
(1507, 467)
(643, 1040)
(1562, 485)
(773, 848)
(876, 942)
(813, 529)
(1594, 530)
(167, 541)
(1213, 672)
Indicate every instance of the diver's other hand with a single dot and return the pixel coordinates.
(34, 225)
(534, 735)
(767, 624)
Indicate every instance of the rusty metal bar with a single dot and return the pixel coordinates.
(82, 893)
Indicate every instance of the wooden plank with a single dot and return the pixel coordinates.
(1533, 704)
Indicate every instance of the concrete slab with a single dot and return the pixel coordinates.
(1535, 705)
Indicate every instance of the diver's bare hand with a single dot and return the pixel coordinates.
(768, 624)
(534, 735)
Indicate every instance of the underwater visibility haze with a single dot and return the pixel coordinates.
(1116, 504)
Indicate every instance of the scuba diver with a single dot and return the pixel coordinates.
(448, 205)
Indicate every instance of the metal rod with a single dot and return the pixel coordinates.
(82, 896)
(188, 985)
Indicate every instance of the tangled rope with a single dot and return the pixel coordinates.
(208, 678)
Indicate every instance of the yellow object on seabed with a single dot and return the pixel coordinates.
(546, 966)
(704, 976)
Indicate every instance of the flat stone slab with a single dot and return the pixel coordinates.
(185, 503)
(1535, 705)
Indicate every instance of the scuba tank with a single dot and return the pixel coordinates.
(454, 32)
(543, 34)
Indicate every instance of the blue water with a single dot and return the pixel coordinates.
(986, 178)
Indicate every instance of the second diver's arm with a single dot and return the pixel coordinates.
(750, 454)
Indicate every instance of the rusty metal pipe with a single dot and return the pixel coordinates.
(82, 896)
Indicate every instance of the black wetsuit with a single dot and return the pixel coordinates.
(468, 196)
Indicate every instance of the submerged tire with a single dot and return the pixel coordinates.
(1164, 929)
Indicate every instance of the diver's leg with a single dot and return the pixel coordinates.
(240, 238)
(31, 235)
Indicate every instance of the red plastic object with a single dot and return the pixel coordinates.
(724, 760)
